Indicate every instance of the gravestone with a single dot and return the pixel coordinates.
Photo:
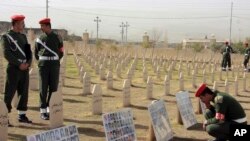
(145, 74)
(15, 100)
(102, 72)
(65, 133)
(149, 88)
(236, 83)
(215, 85)
(81, 73)
(167, 85)
(97, 100)
(193, 79)
(226, 86)
(118, 71)
(126, 93)
(56, 110)
(244, 82)
(160, 121)
(97, 71)
(212, 76)
(119, 125)
(185, 107)
(204, 76)
(109, 80)
(3, 122)
(181, 82)
(86, 83)
(158, 72)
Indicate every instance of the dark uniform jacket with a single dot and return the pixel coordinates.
(55, 43)
(227, 50)
(11, 52)
(226, 108)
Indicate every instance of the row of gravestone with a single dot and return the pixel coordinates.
(117, 125)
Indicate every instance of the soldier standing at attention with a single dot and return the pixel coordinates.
(48, 52)
(247, 55)
(222, 110)
(226, 57)
(18, 54)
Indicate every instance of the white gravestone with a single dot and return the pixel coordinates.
(215, 85)
(185, 107)
(102, 73)
(33, 83)
(119, 126)
(145, 74)
(56, 110)
(126, 93)
(226, 86)
(167, 85)
(109, 80)
(118, 71)
(3, 122)
(149, 88)
(236, 86)
(97, 100)
(181, 82)
(86, 84)
(160, 121)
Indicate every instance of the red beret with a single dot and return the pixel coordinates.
(246, 44)
(44, 21)
(17, 17)
(200, 90)
(226, 42)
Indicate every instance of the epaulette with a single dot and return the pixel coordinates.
(218, 99)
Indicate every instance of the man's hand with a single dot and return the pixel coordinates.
(204, 125)
(24, 66)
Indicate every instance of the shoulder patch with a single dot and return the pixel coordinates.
(218, 99)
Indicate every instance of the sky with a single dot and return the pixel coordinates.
(173, 20)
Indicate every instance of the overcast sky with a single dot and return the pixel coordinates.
(174, 19)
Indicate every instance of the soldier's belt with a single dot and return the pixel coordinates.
(22, 60)
(48, 58)
(240, 120)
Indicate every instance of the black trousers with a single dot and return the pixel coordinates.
(226, 61)
(48, 83)
(246, 60)
(16, 80)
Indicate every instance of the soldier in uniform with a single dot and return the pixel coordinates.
(48, 52)
(222, 110)
(18, 54)
(226, 57)
(246, 58)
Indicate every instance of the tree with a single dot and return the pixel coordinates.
(197, 47)
(156, 35)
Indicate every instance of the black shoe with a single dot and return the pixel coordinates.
(44, 116)
(23, 118)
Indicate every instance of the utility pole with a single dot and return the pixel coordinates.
(122, 32)
(47, 8)
(230, 36)
(126, 26)
(97, 20)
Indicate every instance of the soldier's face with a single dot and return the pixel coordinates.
(20, 25)
(43, 27)
(205, 98)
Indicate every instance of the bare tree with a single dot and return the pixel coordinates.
(155, 37)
